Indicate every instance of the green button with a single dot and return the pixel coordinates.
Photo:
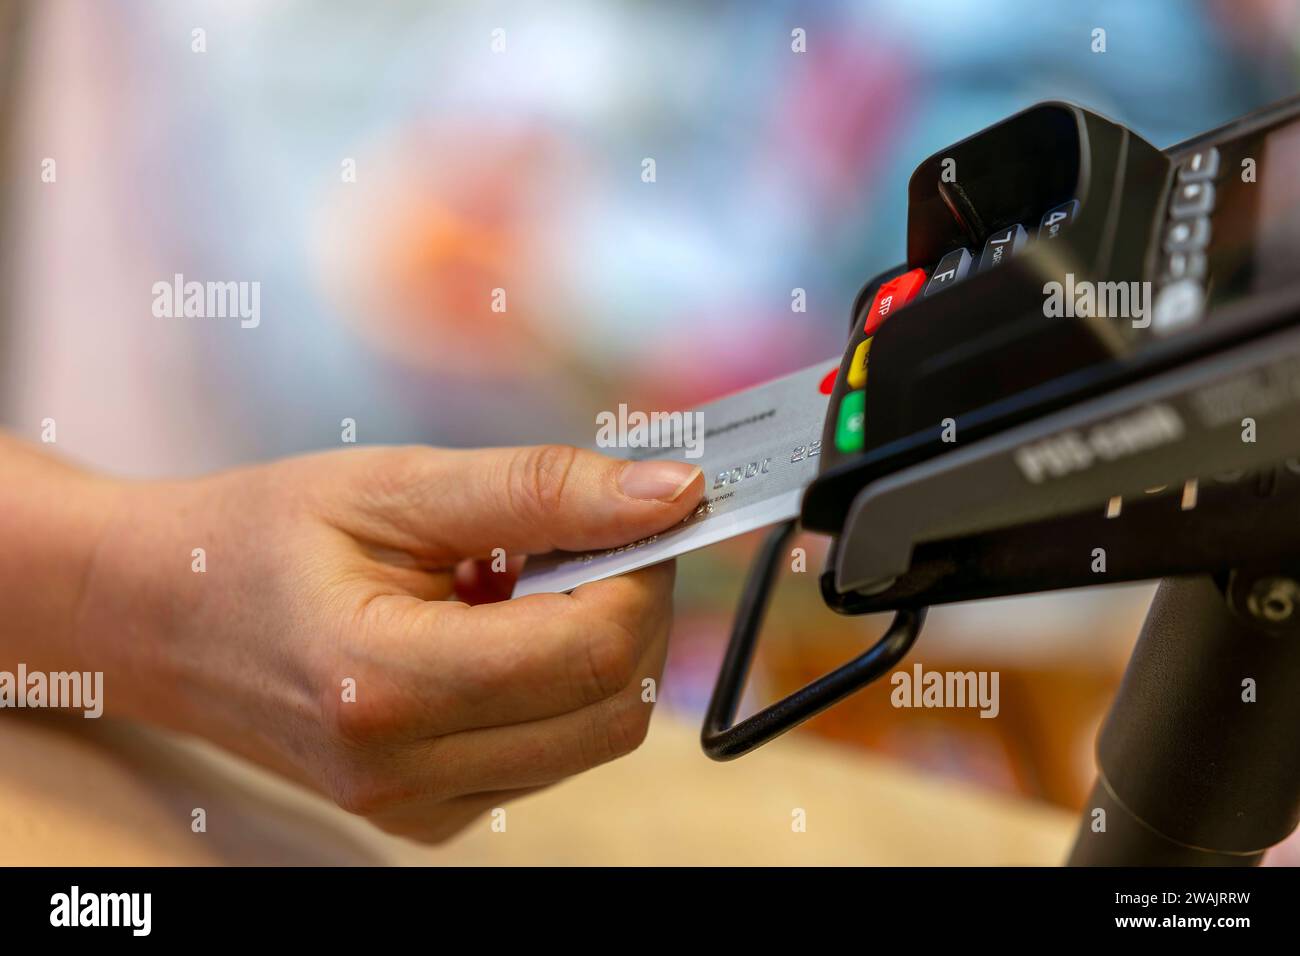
(850, 428)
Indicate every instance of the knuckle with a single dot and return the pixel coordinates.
(538, 477)
(363, 794)
(372, 783)
(397, 473)
(371, 714)
(380, 489)
(609, 661)
(626, 727)
(363, 724)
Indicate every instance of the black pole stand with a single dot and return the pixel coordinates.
(1197, 765)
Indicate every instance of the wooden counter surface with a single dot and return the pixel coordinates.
(80, 792)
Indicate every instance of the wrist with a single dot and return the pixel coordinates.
(133, 595)
(54, 517)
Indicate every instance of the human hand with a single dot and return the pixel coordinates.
(321, 637)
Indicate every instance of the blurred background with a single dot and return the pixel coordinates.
(381, 168)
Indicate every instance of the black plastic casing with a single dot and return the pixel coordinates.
(983, 354)
(963, 352)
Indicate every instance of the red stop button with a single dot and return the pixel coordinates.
(893, 295)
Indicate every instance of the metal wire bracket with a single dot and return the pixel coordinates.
(723, 740)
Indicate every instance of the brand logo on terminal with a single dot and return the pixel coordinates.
(1076, 450)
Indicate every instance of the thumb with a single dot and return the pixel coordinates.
(542, 498)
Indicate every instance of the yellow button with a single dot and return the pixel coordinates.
(858, 369)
